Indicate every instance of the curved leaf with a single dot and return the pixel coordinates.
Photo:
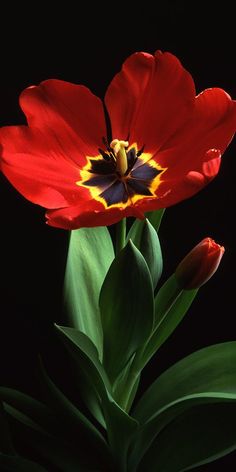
(6, 446)
(89, 257)
(171, 305)
(91, 372)
(212, 369)
(145, 238)
(76, 425)
(32, 408)
(206, 376)
(18, 464)
(198, 436)
(126, 304)
(120, 426)
(125, 387)
(151, 250)
(121, 429)
(54, 450)
(155, 218)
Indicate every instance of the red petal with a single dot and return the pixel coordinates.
(175, 188)
(89, 214)
(149, 99)
(211, 125)
(192, 155)
(66, 124)
(35, 166)
(70, 113)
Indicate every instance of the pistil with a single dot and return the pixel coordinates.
(119, 148)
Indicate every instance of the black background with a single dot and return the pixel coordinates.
(88, 47)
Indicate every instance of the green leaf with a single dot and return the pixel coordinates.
(126, 303)
(171, 305)
(206, 376)
(59, 453)
(75, 424)
(6, 446)
(31, 408)
(151, 250)
(145, 238)
(18, 464)
(120, 426)
(121, 429)
(89, 257)
(198, 436)
(85, 354)
(212, 369)
(125, 386)
(155, 217)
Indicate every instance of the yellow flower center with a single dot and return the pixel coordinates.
(119, 148)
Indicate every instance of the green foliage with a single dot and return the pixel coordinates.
(145, 238)
(120, 426)
(18, 464)
(144, 235)
(184, 419)
(6, 446)
(207, 376)
(195, 437)
(171, 305)
(89, 257)
(126, 304)
(155, 217)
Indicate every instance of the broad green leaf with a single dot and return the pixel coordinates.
(145, 238)
(121, 429)
(89, 257)
(212, 369)
(126, 304)
(32, 408)
(64, 422)
(124, 390)
(168, 297)
(75, 424)
(6, 446)
(198, 436)
(149, 431)
(120, 426)
(135, 230)
(151, 250)
(171, 305)
(59, 453)
(206, 376)
(91, 371)
(155, 217)
(18, 464)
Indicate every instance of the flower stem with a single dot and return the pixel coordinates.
(120, 235)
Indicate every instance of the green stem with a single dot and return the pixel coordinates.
(120, 235)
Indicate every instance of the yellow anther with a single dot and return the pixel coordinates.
(120, 154)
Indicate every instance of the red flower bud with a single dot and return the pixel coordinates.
(199, 265)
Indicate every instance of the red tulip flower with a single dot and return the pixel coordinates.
(165, 146)
(200, 264)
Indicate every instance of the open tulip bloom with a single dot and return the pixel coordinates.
(151, 144)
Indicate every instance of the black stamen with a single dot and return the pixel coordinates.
(105, 142)
(140, 151)
(108, 124)
(105, 156)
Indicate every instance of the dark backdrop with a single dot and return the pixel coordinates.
(88, 48)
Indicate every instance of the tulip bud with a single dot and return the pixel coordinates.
(199, 265)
